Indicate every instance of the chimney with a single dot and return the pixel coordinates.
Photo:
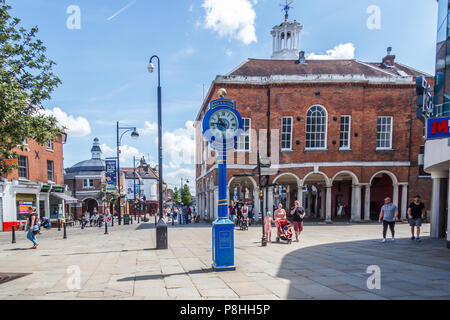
(389, 60)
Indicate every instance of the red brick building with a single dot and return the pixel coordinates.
(38, 182)
(341, 134)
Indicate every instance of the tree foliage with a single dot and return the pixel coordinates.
(186, 196)
(26, 81)
(176, 198)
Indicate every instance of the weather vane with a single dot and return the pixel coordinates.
(287, 7)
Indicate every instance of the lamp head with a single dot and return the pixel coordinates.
(134, 134)
(151, 67)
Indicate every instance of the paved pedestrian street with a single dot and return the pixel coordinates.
(330, 262)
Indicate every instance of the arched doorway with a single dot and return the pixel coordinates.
(315, 191)
(89, 205)
(382, 184)
(286, 190)
(244, 189)
(343, 196)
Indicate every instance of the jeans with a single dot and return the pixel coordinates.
(391, 225)
(31, 237)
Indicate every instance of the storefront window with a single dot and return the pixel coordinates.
(23, 203)
(442, 81)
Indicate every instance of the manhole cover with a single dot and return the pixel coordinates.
(6, 277)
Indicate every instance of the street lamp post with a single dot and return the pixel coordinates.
(134, 135)
(261, 203)
(161, 228)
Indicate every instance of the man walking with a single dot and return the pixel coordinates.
(415, 214)
(388, 214)
(298, 214)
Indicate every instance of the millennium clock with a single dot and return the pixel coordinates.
(222, 126)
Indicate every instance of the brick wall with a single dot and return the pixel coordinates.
(37, 162)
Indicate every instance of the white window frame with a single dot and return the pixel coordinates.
(88, 184)
(27, 168)
(243, 135)
(53, 171)
(49, 145)
(349, 133)
(391, 132)
(325, 147)
(290, 133)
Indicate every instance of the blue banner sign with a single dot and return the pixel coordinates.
(438, 128)
(111, 173)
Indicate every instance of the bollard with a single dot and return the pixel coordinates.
(139, 219)
(82, 225)
(13, 234)
(59, 225)
(106, 227)
(131, 219)
(65, 232)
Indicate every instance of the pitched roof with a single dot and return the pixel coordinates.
(269, 67)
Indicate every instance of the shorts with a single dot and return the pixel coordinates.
(298, 226)
(415, 222)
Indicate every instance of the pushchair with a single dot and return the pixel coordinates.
(244, 223)
(45, 223)
(284, 228)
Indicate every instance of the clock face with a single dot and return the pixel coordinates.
(223, 124)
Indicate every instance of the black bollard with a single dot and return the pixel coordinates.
(106, 227)
(13, 234)
(82, 225)
(59, 225)
(65, 232)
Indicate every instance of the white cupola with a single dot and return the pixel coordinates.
(286, 38)
(96, 150)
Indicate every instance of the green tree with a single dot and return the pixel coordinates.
(176, 196)
(186, 196)
(26, 81)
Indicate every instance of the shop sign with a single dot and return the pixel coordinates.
(438, 128)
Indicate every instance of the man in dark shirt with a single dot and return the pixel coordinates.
(415, 214)
(298, 213)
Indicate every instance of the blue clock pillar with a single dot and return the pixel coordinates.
(226, 127)
(223, 227)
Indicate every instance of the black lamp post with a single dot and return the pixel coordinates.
(134, 135)
(161, 228)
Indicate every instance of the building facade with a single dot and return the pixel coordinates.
(38, 182)
(437, 151)
(145, 185)
(341, 135)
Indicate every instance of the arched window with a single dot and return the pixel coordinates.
(316, 127)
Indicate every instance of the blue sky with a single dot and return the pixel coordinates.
(103, 65)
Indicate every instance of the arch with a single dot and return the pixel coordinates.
(299, 181)
(316, 131)
(390, 174)
(91, 198)
(354, 176)
(255, 185)
(327, 180)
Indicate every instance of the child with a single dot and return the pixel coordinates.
(268, 226)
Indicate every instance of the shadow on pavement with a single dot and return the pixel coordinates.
(340, 270)
(162, 276)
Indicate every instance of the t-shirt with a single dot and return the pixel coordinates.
(389, 212)
(297, 215)
(232, 210)
(416, 210)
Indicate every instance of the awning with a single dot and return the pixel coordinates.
(65, 197)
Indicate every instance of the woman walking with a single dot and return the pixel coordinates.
(280, 214)
(33, 227)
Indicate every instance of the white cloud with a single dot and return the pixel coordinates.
(232, 18)
(341, 51)
(179, 146)
(228, 52)
(126, 153)
(183, 53)
(76, 127)
(150, 128)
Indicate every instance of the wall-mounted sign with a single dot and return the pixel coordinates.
(45, 189)
(424, 98)
(10, 162)
(438, 128)
(58, 189)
